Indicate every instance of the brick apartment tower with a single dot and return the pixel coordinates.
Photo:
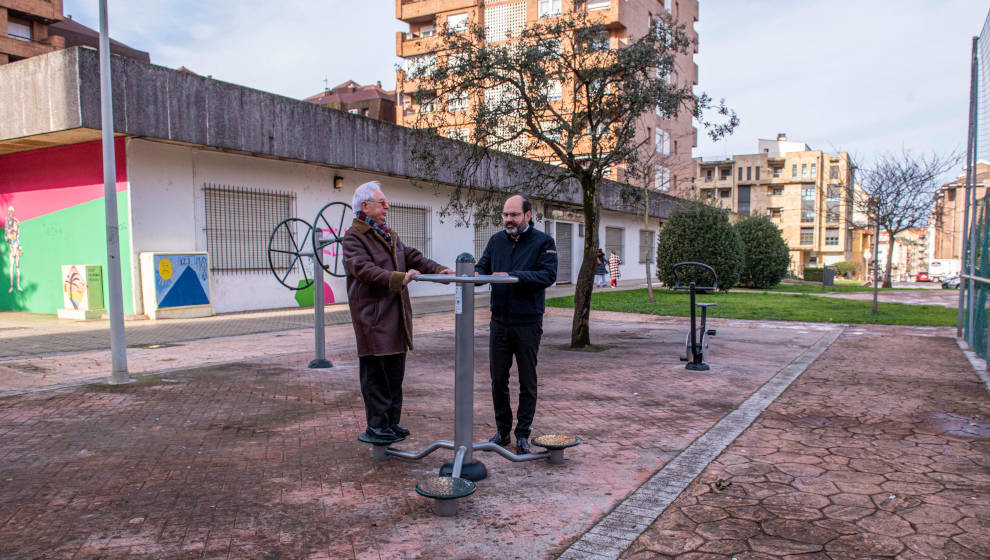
(625, 20)
(24, 28)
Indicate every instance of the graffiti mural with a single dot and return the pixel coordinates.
(12, 235)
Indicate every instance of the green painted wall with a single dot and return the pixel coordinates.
(75, 235)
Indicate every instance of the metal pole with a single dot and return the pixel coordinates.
(464, 360)
(876, 258)
(118, 344)
(969, 226)
(319, 329)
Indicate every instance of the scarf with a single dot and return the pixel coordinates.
(382, 229)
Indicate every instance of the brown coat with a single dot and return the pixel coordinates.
(379, 303)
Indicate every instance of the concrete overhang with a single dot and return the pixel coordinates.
(54, 99)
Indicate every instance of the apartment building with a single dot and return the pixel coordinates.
(367, 101)
(807, 193)
(946, 229)
(24, 28)
(671, 139)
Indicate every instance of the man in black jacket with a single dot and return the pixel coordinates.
(517, 313)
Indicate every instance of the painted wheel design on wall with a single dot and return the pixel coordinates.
(285, 252)
(330, 222)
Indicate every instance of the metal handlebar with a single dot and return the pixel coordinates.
(677, 279)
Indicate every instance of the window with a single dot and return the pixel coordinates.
(807, 236)
(832, 201)
(661, 178)
(580, 230)
(740, 173)
(757, 172)
(726, 173)
(725, 193)
(417, 66)
(427, 102)
(239, 222)
(412, 225)
(554, 91)
(549, 8)
(613, 241)
(504, 21)
(598, 4)
(709, 193)
(484, 229)
(804, 170)
(808, 204)
(354, 111)
(774, 212)
(461, 134)
(814, 169)
(599, 42)
(777, 171)
(708, 174)
(742, 200)
(663, 142)
(833, 172)
(551, 129)
(749, 173)
(794, 170)
(832, 236)
(778, 191)
(457, 101)
(457, 23)
(18, 31)
(646, 252)
(427, 31)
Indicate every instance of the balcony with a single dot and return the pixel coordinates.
(26, 49)
(605, 13)
(44, 10)
(412, 10)
(407, 44)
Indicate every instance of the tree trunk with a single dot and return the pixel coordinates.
(581, 325)
(887, 275)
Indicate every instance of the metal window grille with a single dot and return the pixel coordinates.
(613, 241)
(239, 222)
(646, 251)
(504, 21)
(831, 236)
(412, 225)
(807, 236)
(484, 229)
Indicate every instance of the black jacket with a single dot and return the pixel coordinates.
(533, 260)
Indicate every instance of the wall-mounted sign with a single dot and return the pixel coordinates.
(565, 214)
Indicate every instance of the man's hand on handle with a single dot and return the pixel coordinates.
(410, 274)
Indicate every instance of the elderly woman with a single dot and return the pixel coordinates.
(379, 267)
(613, 267)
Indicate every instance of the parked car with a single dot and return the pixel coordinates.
(922, 277)
(951, 283)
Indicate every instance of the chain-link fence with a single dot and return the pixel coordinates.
(976, 262)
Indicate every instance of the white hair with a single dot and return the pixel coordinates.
(364, 193)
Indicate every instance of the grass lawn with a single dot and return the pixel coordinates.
(769, 306)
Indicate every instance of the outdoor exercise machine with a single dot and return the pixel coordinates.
(696, 344)
(287, 248)
(457, 478)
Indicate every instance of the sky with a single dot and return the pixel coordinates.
(862, 76)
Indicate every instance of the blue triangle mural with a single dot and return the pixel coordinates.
(186, 290)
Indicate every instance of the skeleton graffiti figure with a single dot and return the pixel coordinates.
(12, 235)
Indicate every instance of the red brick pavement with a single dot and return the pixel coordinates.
(880, 450)
(260, 460)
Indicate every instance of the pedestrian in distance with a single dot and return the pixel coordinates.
(521, 251)
(379, 268)
(601, 269)
(613, 267)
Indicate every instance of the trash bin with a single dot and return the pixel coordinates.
(828, 276)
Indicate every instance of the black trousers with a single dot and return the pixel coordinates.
(523, 343)
(381, 387)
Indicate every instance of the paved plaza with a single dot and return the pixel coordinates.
(804, 441)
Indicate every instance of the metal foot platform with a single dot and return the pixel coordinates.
(555, 444)
(445, 491)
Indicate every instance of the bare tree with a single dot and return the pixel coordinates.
(898, 192)
(557, 91)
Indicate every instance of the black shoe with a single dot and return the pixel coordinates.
(500, 439)
(382, 433)
(399, 430)
(522, 446)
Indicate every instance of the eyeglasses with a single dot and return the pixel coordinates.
(381, 201)
(511, 214)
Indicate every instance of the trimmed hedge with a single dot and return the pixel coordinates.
(696, 232)
(766, 256)
(813, 273)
